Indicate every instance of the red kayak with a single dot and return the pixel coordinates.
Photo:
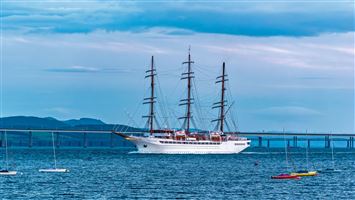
(286, 176)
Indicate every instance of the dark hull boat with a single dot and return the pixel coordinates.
(331, 170)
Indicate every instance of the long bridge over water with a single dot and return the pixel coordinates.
(259, 139)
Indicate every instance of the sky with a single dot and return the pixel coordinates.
(290, 64)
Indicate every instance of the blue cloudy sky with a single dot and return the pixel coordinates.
(290, 63)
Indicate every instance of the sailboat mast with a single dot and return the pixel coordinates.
(151, 100)
(55, 159)
(307, 159)
(283, 130)
(222, 116)
(222, 103)
(188, 100)
(332, 147)
(151, 114)
(6, 152)
(188, 114)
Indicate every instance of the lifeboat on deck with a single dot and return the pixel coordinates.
(215, 137)
(180, 135)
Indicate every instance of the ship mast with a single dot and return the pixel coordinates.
(151, 100)
(188, 101)
(222, 103)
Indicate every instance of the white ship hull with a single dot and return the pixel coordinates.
(152, 145)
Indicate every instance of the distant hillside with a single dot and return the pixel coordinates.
(24, 122)
(29, 122)
(65, 139)
(84, 121)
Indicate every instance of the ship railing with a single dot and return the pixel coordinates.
(238, 139)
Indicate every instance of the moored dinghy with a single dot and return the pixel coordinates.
(330, 170)
(6, 172)
(55, 169)
(305, 173)
(333, 169)
(286, 176)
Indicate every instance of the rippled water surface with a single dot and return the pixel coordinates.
(115, 174)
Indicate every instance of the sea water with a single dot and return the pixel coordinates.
(119, 174)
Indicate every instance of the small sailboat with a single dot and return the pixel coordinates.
(332, 169)
(55, 169)
(305, 172)
(284, 175)
(6, 171)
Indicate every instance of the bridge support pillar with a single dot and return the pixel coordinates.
(2, 138)
(288, 143)
(30, 141)
(308, 143)
(327, 142)
(295, 141)
(351, 141)
(111, 140)
(57, 139)
(85, 140)
(268, 143)
(260, 141)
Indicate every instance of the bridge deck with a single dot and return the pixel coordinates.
(259, 139)
(240, 133)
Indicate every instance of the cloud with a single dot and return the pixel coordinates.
(315, 78)
(83, 69)
(74, 69)
(288, 112)
(59, 111)
(307, 53)
(124, 52)
(235, 18)
(56, 60)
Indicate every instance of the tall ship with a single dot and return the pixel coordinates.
(187, 140)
